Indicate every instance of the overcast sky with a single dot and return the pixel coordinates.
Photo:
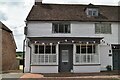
(14, 12)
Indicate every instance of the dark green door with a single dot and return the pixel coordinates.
(65, 57)
(116, 59)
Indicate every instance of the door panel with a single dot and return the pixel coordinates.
(65, 58)
(116, 59)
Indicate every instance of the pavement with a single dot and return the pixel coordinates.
(12, 75)
(69, 76)
(30, 75)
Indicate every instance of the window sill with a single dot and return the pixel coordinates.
(61, 33)
(103, 33)
(87, 64)
(44, 65)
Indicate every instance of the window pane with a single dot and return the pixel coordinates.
(95, 13)
(36, 49)
(97, 28)
(54, 58)
(55, 28)
(88, 58)
(90, 12)
(46, 58)
(48, 49)
(104, 28)
(108, 28)
(77, 58)
(78, 49)
(94, 49)
(83, 58)
(83, 48)
(41, 49)
(89, 48)
(67, 28)
(53, 49)
(61, 28)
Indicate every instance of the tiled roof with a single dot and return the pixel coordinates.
(71, 12)
(4, 27)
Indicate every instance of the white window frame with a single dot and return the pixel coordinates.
(92, 10)
(37, 60)
(68, 28)
(86, 55)
(100, 28)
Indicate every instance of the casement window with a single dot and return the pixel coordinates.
(92, 12)
(60, 28)
(44, 49)
(44, 54)
(86, 53)
(103, 28)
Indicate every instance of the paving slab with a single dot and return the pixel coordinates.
(30, 75)
(12, 75)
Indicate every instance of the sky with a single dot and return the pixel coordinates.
(13, 14)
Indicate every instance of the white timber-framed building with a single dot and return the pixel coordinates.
(71, 38)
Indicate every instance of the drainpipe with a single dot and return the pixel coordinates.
(25, 33)
(30, 55)
(24, 54)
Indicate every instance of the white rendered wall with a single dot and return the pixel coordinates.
(118, 33)
(86, 69)
(111, 38)
(105, 59)
(44, 69)
(78, 29)
(57, 52)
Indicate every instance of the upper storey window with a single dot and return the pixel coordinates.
(103, 28)
(92, 12)
(61, 28)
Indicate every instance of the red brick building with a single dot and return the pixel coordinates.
(8, 48)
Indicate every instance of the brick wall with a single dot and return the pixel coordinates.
(8, 52)
(0, 50)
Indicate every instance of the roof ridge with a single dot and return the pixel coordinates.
(67, 4)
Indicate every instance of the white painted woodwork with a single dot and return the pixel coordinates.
(86, 69)
(44, 69)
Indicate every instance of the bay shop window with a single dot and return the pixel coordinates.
(86, 53)
(47, 54)
(44, 54)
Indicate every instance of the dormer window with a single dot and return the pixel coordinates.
(92, 12)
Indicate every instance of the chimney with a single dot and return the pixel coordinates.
(38, 2)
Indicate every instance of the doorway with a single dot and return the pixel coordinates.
(65, 57)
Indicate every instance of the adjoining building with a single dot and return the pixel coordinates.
(71, 38)
(7, 49)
